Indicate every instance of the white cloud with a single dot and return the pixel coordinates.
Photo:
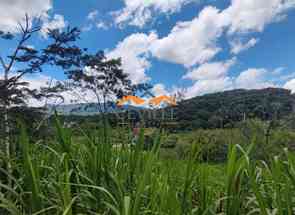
(57, 22)
(210, 78)
(93, 20)
(202, 87)
(195, 42)
(102, 25)
(188, 43)
(290, 85)
(191, 42)
(253, 79)
(139, 19)
(38, 81)
(139, 12)
(254, 15)
(134, 52)
(210, 71)
(92, 15)
(159, 89)
(237, 46)
(13, 11)
(86, 28)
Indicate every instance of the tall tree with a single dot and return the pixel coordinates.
(103, 77)
(25, 60)
(102, 81)
(14, 91)
(90, 73)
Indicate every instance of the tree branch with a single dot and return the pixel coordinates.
(23, 39)
(3, 63)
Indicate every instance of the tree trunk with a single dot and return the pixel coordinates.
(7, 139)
(7, 133)
(104, 118)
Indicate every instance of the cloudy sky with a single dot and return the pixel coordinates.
(199, 46)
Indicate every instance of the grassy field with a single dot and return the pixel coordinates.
(88, 175)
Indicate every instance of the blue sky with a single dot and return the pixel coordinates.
(193, 46)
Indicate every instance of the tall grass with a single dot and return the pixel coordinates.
(93, 176)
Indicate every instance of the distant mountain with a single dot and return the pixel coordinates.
(87, 109)
(225, 108)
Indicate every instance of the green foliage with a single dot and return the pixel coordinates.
(225, 109)
(87, 175)
(215, 142)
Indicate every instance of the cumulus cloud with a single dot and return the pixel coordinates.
(210, 71)
(253, 79)
(94, 19)
(57, 22)
(290, 85)
(139, 12)
(209, 78)
(134, 52)
(195, 42)
(191, 42)
(202, 87)
(101, 25)
(252, 15)
(38, 81)
(13, 12)
(92, 15)
(237, 46)
(159, 89)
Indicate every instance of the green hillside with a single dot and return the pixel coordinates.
(223, 109)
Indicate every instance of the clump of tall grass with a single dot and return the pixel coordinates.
(92, 176)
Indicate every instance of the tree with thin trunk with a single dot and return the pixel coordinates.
(14, 91)
(99, 82)
(23, 61)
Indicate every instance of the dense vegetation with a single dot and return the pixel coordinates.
(223, 109)
(86, 175)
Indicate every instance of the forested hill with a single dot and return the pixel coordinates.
(225, 108)
(217, 110)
